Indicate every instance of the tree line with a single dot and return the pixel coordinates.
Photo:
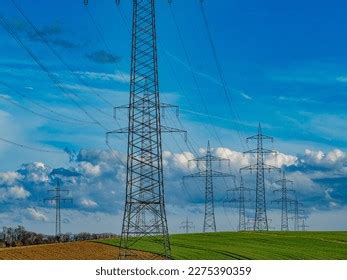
(19, 236)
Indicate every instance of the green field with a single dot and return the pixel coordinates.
(253, 246)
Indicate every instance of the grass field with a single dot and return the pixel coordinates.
(254, 245)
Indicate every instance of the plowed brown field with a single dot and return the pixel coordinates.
(67, 251)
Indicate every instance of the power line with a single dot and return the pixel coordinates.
(220, 70)
(60, 58)
(33, 112)
(194, 76)
(70, 120)
(53, 77)
(29, 147)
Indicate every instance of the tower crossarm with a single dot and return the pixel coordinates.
(255, 167)
(260, 150)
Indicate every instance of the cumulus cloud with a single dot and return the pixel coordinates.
(88, 203)
(9, 177)
(18, 192)
(334, 158)
(36, 215)
(96, 180)
(103, 57)
(119, 77)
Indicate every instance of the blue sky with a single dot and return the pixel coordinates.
(284, 63)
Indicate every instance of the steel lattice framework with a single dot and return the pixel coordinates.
(284, 200)
(260, 221)
(208, 174)
(187, 225)
(144, 213)
(296, 212)
(238, 195)
(57, 200)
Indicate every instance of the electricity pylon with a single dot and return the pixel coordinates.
(186, 225)
(144, 181)
(296, 212)
(208, 174)
(241, 200)
(303, 224)
(57, 199)
(284, 200)
(260, 221)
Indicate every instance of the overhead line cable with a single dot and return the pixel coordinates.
(72, 120)
(53, 77)
(60, 58)
(29, 147)
(194, 76)
(220, 72)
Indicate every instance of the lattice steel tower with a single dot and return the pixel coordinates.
(240, 193)
(144, 213)
(284, 200)
(296, 212)
(260, 221)
(57, 199)
(187, 225)
(208, 174)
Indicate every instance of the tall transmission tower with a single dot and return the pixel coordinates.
(260, 221)
(57, 199)
(284, 200)
(144, 181)
(208, 174)
(187, 225)
(240, 191)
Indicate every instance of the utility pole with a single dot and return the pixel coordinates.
(241, 200)
(260, 221)
(57, 199)
(208, 174)
(186, 225)
(144, 181)
(284, 200)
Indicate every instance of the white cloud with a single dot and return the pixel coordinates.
(246, 96)
(119, 77)
(88, 203)
(319, 157)
(335, 155)
(9, 177)
(342, 79)
(90, 169)
(18, 192)
(37, 215)
(281, 159)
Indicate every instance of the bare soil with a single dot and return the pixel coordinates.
(68, 251)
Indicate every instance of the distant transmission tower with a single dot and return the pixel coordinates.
(260, 222)
(57, 199)
(186, 225)
(303, 224)
(284, 201)
(208, 174)
(240, 191)
(144, 213)
(296, 212)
